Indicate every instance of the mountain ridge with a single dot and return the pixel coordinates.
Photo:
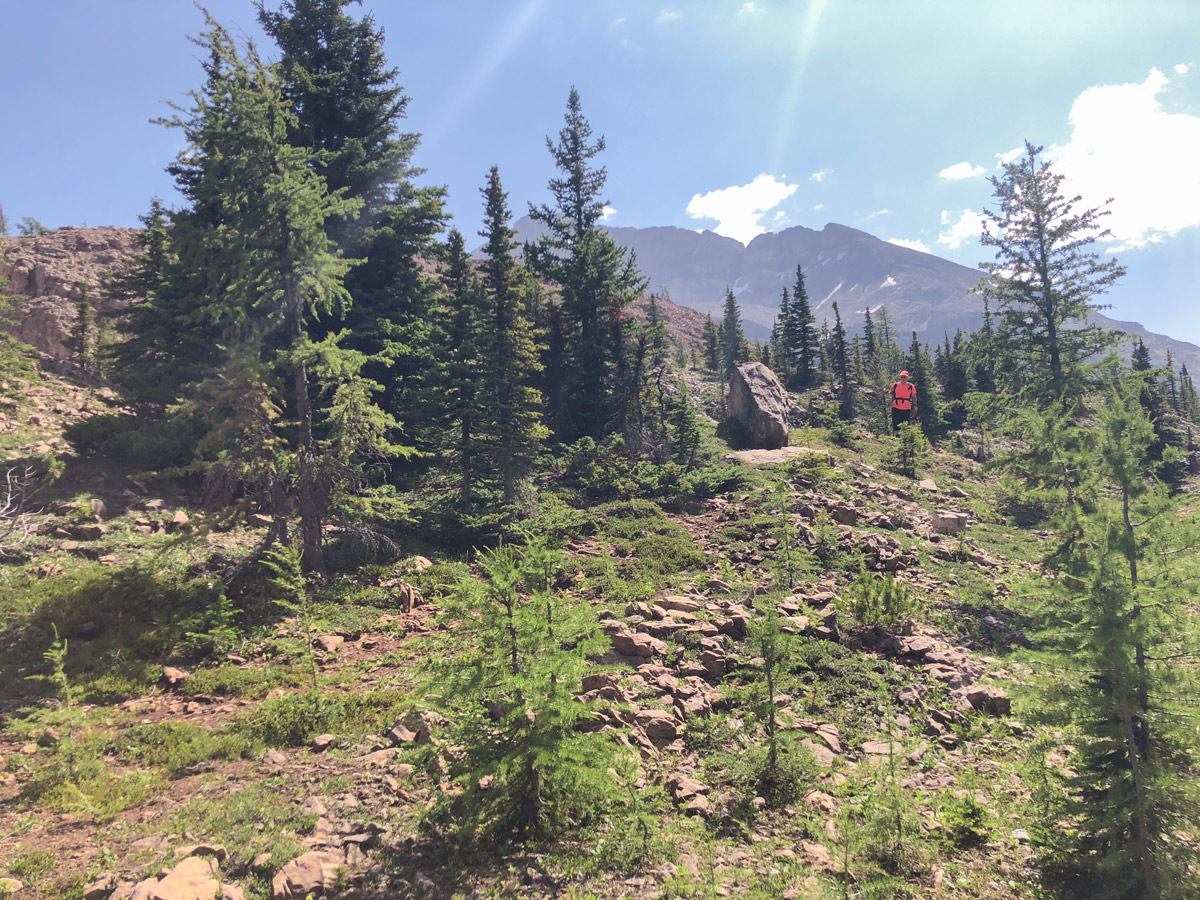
(923, 292)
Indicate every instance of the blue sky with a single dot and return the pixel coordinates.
(724, 114)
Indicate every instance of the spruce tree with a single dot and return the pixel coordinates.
(870, 345)
(732, 340)
(712, 342)
(465, 348)
(839, 365)
(1046, 278)
(685, 429)
(1189, 401)
(928, 412)
(1170, 383)
(252, 245)
(81, 343)
(596, 278)
(348, 110)
(805, 339)
(514, 405)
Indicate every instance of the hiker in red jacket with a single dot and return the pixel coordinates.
(904, 400)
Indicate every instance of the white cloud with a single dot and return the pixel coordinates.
(1005, 158)
(1181, 68)
(608, 213)
(747, 10)
(818, 207)
(739, 209)
(669, 15)
(618, 21)
(911, 245)
(959, 171)
(780, 215)
(965, 229)
(1124, 145)
(818, 177)
(879, 212)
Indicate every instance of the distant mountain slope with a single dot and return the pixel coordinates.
(924, 293)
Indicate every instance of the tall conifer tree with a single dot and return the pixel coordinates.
(1045, 278)
(512, 353)
(597, 279)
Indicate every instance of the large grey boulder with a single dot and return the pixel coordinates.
(758, 401)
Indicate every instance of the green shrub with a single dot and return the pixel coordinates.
(178, 746)
(967, 821)
(882, 601)
(294, 719)
(907, 451)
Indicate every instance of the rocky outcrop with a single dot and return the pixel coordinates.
(758, 401)
(48, 272)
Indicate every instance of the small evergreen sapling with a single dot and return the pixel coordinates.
(780, 770)
(525, 750)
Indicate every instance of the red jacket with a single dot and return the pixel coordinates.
(903, 395)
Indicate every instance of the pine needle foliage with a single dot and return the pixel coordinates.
(525, 751)
(1126, 571)
(1045, 278)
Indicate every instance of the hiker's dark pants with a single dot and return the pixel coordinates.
(899, 417)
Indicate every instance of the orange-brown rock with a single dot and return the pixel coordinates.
(49, 272)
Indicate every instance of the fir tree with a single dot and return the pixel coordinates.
(348, 110)
(839, 364)
(514, 407)
(1170, 383)
(81, 343)
(1045, 278)
(685, 429)
(733, 346)
(465, 341)
(712, 341)
(869, 341)
(805, 338)
(928, 412)
(257, 268)
(1189, 402)
(1140, 358)
(597, 279)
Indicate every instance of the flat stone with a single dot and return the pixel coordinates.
(379, 757)
(679, 604)
(989, 699)
(317, 870)
(323, 742)
(658, 724)
(683, 787)
(818, 857)
(330, 642)
(882, 748)
(192, 879)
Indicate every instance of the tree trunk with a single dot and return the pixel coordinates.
(1140, 824)
(310, 512)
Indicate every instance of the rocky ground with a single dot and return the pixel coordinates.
(193, 778)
